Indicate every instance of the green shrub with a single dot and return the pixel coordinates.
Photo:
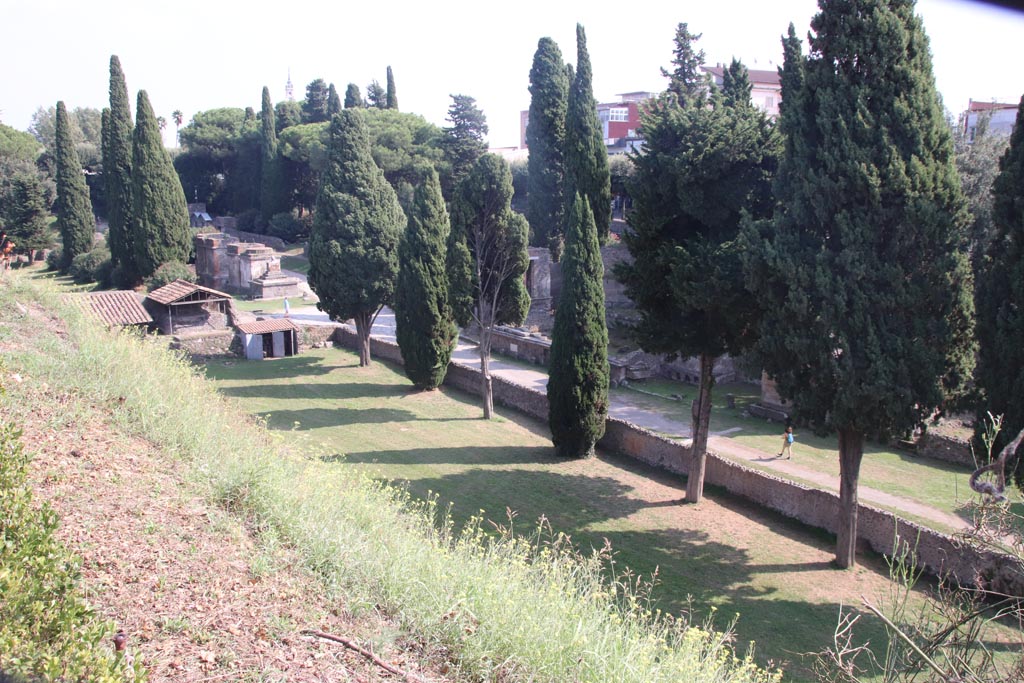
(53, 258)
(248, 221)
(92, 266)
(287, 227)
(168, 273)
(47, 629)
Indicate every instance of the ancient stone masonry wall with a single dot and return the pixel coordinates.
(211, 343)
(250, 269)
(938, 553)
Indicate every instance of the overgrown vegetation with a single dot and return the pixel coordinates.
(48, 632)
(507, 607)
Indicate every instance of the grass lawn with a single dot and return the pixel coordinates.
(723, 554)
(299, 264)
(262, 305)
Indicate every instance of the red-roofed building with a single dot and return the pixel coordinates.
(1001, 117)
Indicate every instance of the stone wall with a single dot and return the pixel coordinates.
(946, 448)
(206, 343)
(536, 350)
(315, 336)
(879, 530)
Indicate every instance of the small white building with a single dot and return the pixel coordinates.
(275, 338)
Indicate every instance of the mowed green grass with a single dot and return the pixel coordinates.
(722, 555)
(940, 485)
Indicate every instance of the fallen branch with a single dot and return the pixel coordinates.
(352, 645)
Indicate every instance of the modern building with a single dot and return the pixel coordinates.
(1001, 117)
(619, 122)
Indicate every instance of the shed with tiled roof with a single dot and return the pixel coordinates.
(182, 306)
(269, 338)
(118, 308)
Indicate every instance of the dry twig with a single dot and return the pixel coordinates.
(352, 645)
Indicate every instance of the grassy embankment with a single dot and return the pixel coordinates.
(502, 605)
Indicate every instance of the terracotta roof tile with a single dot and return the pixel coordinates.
(118, 308)
(265, 326)
(179, 289)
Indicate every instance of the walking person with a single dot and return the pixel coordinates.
(787, 443)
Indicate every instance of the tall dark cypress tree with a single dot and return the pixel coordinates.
(579, 373)
(314, 107)
(866, 280)
(736, 84)
(117, 174)
(545, 139)
(586, 158)
(333, 102)
(353, 248)
(74, 210)
(425, 324)
(160, 230)
(273, 192)
(353, 98)
(1000, 298)
(392, 94)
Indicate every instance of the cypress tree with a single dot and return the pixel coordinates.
(586, 158)
(866, 279)
(376, 96)
(314, 107)
(117, 174)
(74, 210)
(273, 199)
(1000, 298)
(487, 258)
(701, 170)
(160, 229)
(545, 139)
(425, 326)
(463, 143)
(736, 85)
(392, 94)
(333, 102)
(353, 98)
(579, 372)
(353, 248)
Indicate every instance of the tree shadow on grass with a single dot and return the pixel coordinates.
(318, 390)
(279, 368)
(468, 455)
(316, 418)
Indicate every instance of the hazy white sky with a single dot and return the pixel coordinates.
(194, 55)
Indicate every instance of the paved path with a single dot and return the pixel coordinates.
(466, 353)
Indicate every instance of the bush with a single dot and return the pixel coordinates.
(248, 220)
(168, 273)
(285, 226)
(92, 266)
(53, 258)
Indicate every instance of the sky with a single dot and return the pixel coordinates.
(195, 55)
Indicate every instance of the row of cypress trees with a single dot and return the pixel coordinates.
(148, 214)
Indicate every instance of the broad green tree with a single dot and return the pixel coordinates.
(117, 174)
(74, 210)
(376, 95)
(545, 139)
(864, 270)
(287, 114)
(702, 169)
(1000, 297)
(424, 322)
(353, 248)
(463, 142)
(586, 157)
(273, 192)
(391, 98)
(333, 102)
(487, 258)
(353, 98)
(579, 372)
(27, 217)
(160, 226)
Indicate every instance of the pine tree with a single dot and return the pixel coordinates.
(27, 217)
(117, 174)
(545, 139)
(391, 100)
(487, 258)
(586, 158)
(579, 372)
(376, 96)
(736, 85)
(866, 279)
(425, 326)
(353, 248)
(701, 171)
(74, 210)
(685, 79)
(353, 98)
(273, 193)
(160, 229)
(463, 143)
(1000, 298)
(333, 102)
